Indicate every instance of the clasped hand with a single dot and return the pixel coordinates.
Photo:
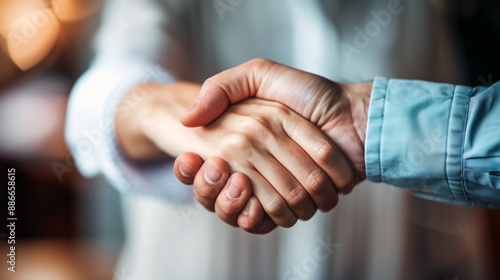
(291, 147)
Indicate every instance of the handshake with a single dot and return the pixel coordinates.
(263, 144)
(296, 142)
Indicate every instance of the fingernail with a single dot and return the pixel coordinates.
(186, 169)
(246, 210)
(234, 191)
(212, 175)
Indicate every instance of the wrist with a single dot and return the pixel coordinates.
(359, 97)
(132, 111)
(151, 130)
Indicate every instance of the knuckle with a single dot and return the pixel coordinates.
(328, 207)
(296, 197)
(276, 207)
(278, 110)
(250, 224)
(331, 204)
(207, 192)
(308, 215)
(210, 81)
(282, 109)
(226, 212)
(325, 153)
(259, 122)
(346, 184)
(239, 141)
(288, 223)
(213, 82)
(316, 181)
(256, 129)
(247, 226)
(260, 64)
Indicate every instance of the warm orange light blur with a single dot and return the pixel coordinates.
(74, 10)
(29, 29)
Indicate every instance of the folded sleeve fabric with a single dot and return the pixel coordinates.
(440, 141)
(127, 52)
(90, 131)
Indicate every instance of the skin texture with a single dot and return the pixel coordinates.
(339, 110)
(263, 154)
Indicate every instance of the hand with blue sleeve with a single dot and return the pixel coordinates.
(440, 141)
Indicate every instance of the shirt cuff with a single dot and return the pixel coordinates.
(99, 136)
(374, 130)
(415, 138)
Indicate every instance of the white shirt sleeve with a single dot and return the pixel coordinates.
(128, 53)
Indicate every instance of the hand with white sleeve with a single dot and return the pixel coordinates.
(267, 146)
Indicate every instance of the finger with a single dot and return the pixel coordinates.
(311, 177)
(323, 151)
(273, 203)
(225, 88)
(186, 166)
(209, 181)
(290, 189)
(296, 159)
(253, 219)
(233, 197)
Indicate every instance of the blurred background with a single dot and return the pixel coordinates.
(70, 227)
(67, 227)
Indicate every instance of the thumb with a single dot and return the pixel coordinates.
(226, 88)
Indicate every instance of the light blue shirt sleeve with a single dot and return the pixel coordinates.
(440, 141)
